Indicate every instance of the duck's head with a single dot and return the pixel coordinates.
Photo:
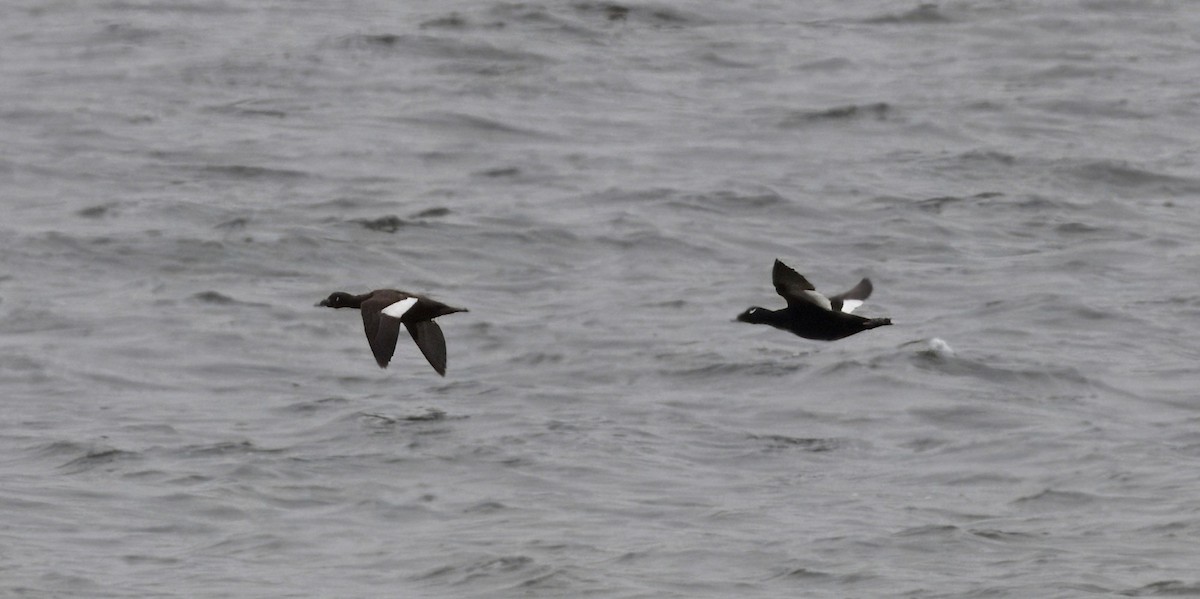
(339, 299)
(754, 315)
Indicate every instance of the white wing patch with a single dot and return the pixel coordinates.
(398, 309)
(818, 299)
(849, 305)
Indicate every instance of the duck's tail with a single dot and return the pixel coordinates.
(876, 322)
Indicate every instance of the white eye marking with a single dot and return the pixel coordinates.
(849, 305)
(818, 299)
(398, 309)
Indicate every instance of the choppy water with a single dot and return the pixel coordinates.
(605, 186)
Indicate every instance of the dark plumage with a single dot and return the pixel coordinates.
(384, 310)
(810, 314)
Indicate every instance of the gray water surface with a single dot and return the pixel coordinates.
(605, 186)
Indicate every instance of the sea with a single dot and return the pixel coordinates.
(605, 185)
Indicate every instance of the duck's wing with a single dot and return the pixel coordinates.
(428, 336)
(796, 289)
(849, 300)
(381, 322)
(397, 308)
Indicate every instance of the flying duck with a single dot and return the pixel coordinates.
(384, 310)
(810, 314)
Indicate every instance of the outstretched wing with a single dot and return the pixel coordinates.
(849, 300)
(430, 340)
(382, 330)
(793, 287)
